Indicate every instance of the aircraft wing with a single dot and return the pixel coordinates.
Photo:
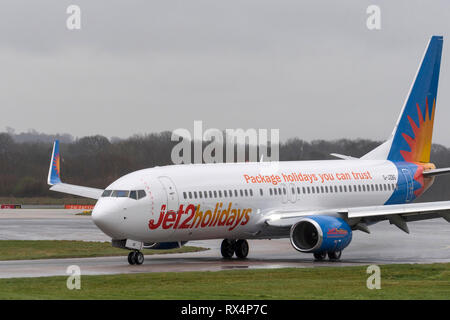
(57, 185)
(397, 214)
(86, 192)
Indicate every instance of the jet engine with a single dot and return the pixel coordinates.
(320, 234)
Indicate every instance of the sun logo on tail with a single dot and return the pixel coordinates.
(56, 164)
(420, 144)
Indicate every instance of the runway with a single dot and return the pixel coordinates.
(428, 242)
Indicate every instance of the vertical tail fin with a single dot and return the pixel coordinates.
(411, 138)
(55, 167)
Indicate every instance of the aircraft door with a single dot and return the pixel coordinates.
(171, 193)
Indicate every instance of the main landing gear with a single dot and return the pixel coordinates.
(332, 255)
(135, 257)
(231, 247)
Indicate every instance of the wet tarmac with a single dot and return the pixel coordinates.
(428, 242)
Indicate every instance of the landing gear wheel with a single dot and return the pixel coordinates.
(334, 255)
(131, 259)
(320, 256)
(241, 249)
(139, 258)
(227, 248)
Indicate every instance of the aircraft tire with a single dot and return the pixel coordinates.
(227, 248)
(334, 255)
(320, 256)
(139, 258)
(131, 258)
(241, 249)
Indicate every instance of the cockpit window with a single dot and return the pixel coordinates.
(106, 193)
(120, 193)
(133, 194)
(141, 194)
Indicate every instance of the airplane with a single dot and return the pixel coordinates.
(316, 204)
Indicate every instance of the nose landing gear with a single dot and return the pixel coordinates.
(231, 247)
(135, 257)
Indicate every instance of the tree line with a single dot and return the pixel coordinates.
(96, 161)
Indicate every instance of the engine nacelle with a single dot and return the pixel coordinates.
(164, 245)
(320, 234)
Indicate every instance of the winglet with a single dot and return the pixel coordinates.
(55, 167)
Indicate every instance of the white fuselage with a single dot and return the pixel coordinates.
(206, 201)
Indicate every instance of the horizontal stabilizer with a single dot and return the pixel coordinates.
(436, 172)
(342, 156)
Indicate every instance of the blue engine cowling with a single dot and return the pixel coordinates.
(320, 234)
(164, 245)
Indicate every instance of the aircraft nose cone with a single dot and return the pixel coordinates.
(105, 217)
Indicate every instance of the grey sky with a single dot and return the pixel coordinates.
(310, 68)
